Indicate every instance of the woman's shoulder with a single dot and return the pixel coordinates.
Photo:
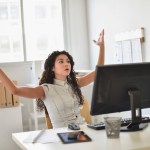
(47, 86)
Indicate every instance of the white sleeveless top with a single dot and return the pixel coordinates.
(62, 104)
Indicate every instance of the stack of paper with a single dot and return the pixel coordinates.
(44, 136)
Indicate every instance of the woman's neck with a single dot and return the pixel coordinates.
(61, 78)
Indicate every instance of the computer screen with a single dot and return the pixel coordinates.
(121, 87)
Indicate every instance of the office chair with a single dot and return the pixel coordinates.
(47, 119)
(85, 112)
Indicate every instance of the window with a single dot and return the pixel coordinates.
(11, 45)
(41, 23)
(43, 28)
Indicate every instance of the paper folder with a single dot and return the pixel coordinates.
(15, 98)
(8, 98)
(2, 96)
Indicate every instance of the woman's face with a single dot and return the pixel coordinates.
(62, 67)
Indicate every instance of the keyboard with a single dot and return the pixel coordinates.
(124, 122)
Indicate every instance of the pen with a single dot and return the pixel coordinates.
(38, 135)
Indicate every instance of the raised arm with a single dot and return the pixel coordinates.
(27, 92)
(87, 79)
(101, 44)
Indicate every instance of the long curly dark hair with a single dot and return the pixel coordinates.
(48, 76)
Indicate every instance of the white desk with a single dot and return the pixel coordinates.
(139, 140)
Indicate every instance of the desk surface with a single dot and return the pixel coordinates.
(139, 140)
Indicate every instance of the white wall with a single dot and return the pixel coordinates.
(11, 122)
(117, 16)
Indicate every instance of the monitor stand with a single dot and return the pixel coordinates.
(136, 115)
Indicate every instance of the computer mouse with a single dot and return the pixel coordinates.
(73, 126)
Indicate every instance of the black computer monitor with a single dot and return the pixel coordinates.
(122, 87)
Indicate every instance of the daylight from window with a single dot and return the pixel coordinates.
(41, 23)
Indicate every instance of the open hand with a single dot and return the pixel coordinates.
(100, 40)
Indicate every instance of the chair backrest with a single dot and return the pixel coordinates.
(47, 119)
(85, 112)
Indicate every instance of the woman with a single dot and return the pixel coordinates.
(59, 89)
